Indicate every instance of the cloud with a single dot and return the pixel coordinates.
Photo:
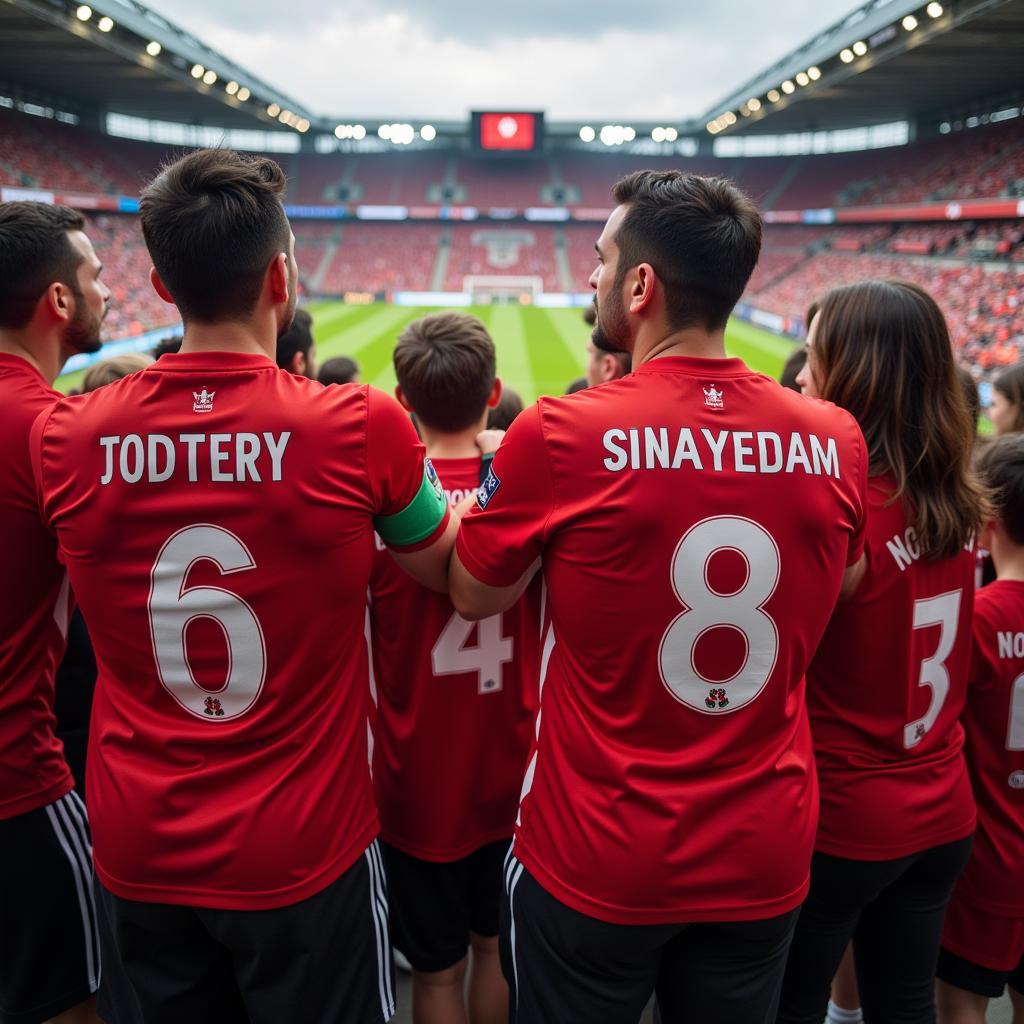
(442, 59)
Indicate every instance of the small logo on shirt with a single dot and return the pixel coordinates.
(1016, 780)
(487, 488)
(713, 398)
(213, 708)
(203, 400)
(716, 699)
(433, 478)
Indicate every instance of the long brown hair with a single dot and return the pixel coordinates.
(883, 353)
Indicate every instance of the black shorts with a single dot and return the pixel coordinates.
(982, 981)
(325, 959)
(49, 947)
(436, 906)
(564, 967)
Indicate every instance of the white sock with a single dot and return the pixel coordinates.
(837, 1015)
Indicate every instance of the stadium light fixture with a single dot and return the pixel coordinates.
(814, 73)
(84, 12)
(729, 117)
(713, 128)
(273, 110)
(934, 10)
(198, 71)
(860, 48)
(243, 94)
(341, 131)
(302, 125)
(428, 133)
(754, 104)
(910, 23)
(154, 48)
(802, 79)
(210, 77)
(774, 96)
(285, 116)
(658, 134)
(105, 24)
(587, 134)
(231, 88)
(359, 131)
(384, 132)
(788, 87)
(629, 134)
(846, 55)
(745, 109)
(671, 135)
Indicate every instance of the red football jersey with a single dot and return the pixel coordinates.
(34, 608)
(456, 704)
(885, 692)
(216, 516)
(694, 521)
(994, 725)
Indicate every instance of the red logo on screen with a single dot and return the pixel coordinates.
(507, 131)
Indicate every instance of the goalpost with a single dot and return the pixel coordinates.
(492, 289)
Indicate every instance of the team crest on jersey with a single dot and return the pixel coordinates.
(213, 707)
(716, 698)
(713, 397)
(433, 478)
(487, 488)
(1016, 780)
(202, 401)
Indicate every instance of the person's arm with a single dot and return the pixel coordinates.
(857, 561)
(429, 566)
(500, 541)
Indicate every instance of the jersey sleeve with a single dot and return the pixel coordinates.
(409, 508)
(502, 537)
(860, 499)
(35, 452)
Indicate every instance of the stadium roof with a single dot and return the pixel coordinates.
(889, 60)
(93, 57)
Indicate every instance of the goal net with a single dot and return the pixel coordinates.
(502, 288)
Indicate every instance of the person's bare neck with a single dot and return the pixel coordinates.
(227, 337)
(1008, 559)
(44, 355)
(458, 445)
(691, 341)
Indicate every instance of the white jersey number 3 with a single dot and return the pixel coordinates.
(173, 605)
(707, 609)
(942, 611)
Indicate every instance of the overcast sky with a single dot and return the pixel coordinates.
(603, 59)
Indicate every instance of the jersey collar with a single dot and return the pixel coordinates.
(182, 361)
(728, 367)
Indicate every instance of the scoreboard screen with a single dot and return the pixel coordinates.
(507, 131)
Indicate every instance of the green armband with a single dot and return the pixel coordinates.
(420, 518)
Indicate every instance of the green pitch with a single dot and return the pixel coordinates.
(539, 350)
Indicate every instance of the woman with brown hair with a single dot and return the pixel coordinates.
(887, 684)
(1007, 411)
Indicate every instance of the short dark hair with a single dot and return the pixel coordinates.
(445, 365)
(579, 384)
(503, 415)
(35, 251)
(298, 338)
(1001, 467)
(339, 370)
(171, 345)
(213, 222)
(795, 362)
(702, 236)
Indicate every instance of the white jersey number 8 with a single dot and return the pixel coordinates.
(707, 609)
(173, 605)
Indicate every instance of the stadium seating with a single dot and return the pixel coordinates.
(502, 250)
(382, 257)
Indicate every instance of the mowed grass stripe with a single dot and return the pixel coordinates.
(510, 341)
(374, 357)
(558, 353)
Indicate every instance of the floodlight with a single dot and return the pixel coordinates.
(801, 78)
(198, 71)
(384, 131)
(729, 117)
(273, 110)
(934, 10)
(285, 116)
(754, 103)
(788, 87)
(860, 48)
(587, 134)
(244, 94)
(945, 128)
(846, 56)
(910, 23)
(210, 77)
(774, 96)
(231, 88)
(153, 48)
(84, 12)
(814, 73)
(105, 24)
(359, 132)
(428, 133)
(671, 135)
(303, 125)
(629, 134)
(658, 134)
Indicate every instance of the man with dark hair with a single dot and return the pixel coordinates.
(669, 809)
(338, 370)
(208, 509)
(794, 363)
(296, 349)
(52, 303)
(455, 706)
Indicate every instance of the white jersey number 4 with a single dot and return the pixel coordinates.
(707, 609)
(942, 611)
(173, 605)
(451, 655)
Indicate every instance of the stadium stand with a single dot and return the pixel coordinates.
(506, 250)
(382, 257)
